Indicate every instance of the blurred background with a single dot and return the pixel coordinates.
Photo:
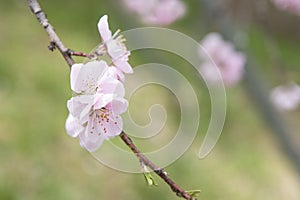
(256, 157)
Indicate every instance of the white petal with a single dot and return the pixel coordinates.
(94, 134)
(75, 107)
(121, 76)
(117, 106)
(88, 144)
(101, 125)
(80, 107)
(75, 70)
(111, 125)
(123, 65)
(72, 126)
(111, 102)
(103, 28)
(84, 77)
(116, 49)
(111, 86)
(115, 73)
(101, 100)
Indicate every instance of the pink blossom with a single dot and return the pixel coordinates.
(140, 6)
(95, 109)
(286, 97)
(87, 80)
(226, 61)
(157, 12)
(292, 6)
(114, 46)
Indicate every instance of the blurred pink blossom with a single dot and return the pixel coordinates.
(226, 61)
(157, 12)
(286, 97)
(292, 6)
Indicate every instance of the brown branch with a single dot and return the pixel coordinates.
(55, 42)
(67, 53)
(159, 171)
(81, 54)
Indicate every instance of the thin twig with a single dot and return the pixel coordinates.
(67, 53)
(159, 171)
(81, 54)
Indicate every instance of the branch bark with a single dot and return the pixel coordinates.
(55, 42)
(159, 171)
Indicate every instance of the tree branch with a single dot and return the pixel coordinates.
(81, 54)
(55, 42)
(159, 171)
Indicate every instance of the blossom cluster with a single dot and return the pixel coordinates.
(286, 97)
(226, 61)
(292, 6)
(157, 12)
(99, 92)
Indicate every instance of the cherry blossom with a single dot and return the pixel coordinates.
(114, 46)
(157, 12)
(286, 97)
(292, 6)
(95, 109)
(226, 61)
(86, 81)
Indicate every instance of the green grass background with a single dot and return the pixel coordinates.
(38, 160)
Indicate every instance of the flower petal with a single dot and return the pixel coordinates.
(73, 127)
(75, 70)
(117, 106)
(115, 72)
(102, 125)
(116, 49)
(93, 136)
(101, 100)
(103, 28)
(84, 77)
(123, 65)
(88, 144)
(80, 106)
(112, 86)
(111, 125)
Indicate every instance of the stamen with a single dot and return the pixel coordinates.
(116, 33)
